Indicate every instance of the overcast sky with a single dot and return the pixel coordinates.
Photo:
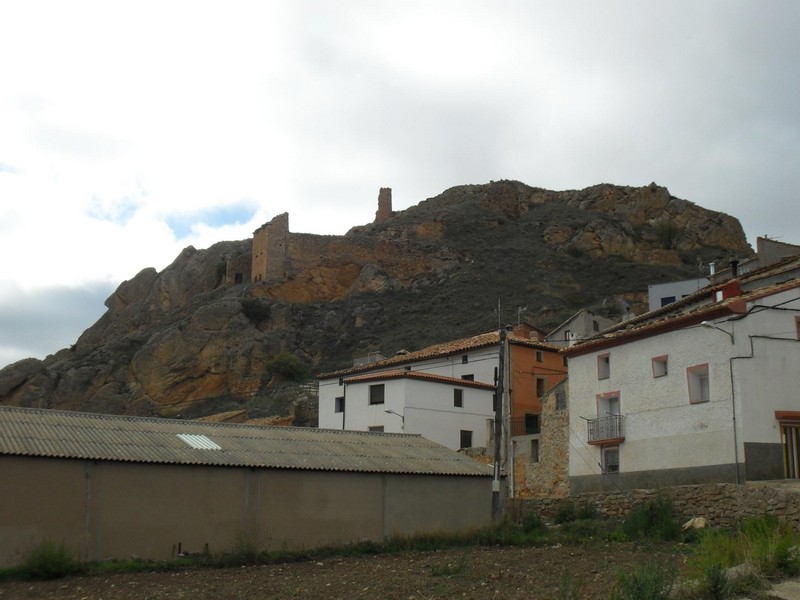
(129, 131)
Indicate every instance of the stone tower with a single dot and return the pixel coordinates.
(269, 249)
(384, 205)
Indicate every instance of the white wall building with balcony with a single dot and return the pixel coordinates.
(707, 395)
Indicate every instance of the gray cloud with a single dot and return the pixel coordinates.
(35, 324)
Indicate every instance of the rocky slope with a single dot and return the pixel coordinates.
(183, 342)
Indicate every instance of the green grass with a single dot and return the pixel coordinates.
(650, 581)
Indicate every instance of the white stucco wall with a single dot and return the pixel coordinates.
(662, 429)
(480, 363)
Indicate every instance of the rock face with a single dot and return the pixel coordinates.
(192, 341)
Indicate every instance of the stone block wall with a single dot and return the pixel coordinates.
(543, 472)
(721, 504)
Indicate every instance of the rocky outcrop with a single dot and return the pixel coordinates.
(186, 341)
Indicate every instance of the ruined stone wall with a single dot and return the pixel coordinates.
(721, 504)
(238, 269)
(541, 466)
(384, 205)
(269, 249)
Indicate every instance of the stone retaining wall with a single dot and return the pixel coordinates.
(722, 504)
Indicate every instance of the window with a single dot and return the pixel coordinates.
(539, 356)
(566, 335)
(237, 278)
(561, 401)
(465, 359)
(660, 366)
(339, 404)
(608, 405)
(564, 360)
(376, 428)
(407, 368)
(697, 377)
(540, 386)
(667, 300)
(341, 381)
(595, 325)
(611, 459)
(535, 451)
(376, 394)
(469, 377)
(532, 424)
(466, 439)
(458, 398)
(604, 366)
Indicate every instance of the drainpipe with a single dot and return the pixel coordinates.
(498, 429)
(508, 410)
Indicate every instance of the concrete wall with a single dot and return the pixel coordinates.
(105, 510)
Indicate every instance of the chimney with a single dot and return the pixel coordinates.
(712, 268)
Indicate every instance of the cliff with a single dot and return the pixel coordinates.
(191, 341)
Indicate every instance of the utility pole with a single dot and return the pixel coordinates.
(498, 428)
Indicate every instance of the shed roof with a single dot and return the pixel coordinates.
(87, 436)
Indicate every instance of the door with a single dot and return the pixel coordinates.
(790, 435)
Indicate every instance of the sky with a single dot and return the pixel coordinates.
(131, 130)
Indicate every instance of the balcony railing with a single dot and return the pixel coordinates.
(527, 425)
(606, 429)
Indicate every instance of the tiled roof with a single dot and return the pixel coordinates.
(476, 342)
(658, 323)
(61, 434)
(402, 373)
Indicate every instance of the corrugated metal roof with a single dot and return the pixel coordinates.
(87, 436)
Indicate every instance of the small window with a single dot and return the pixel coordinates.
(458, 398)
(566, 334)
(376, 428)
(540, 386)
(339, 404)
(469, 377)
(466, 439)
(532, 426)
(237, 278)
(535, 451)
(697, 377)
(595, 325)
(341, 380)
(407, 367)
(660, 366)
(611, 459)
(604, 366)
(376, 394)
(561, 401)
(667, 300)
(465, 359)
(539, 356)
(564, 360)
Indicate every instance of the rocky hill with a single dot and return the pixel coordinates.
(193, 341)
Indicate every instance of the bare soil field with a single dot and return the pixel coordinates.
(467, 572)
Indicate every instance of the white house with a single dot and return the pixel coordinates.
(706, 392)
(446, 392)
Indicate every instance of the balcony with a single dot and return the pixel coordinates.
(527, 425)
(606, 430)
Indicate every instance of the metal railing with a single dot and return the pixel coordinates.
(525, 425)
(605, 428)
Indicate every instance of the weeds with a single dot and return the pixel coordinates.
(569, 588)
(450, 569)
(48, 560)
(651, 581)
(652, 520)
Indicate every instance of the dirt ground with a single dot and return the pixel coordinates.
(472, 572)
